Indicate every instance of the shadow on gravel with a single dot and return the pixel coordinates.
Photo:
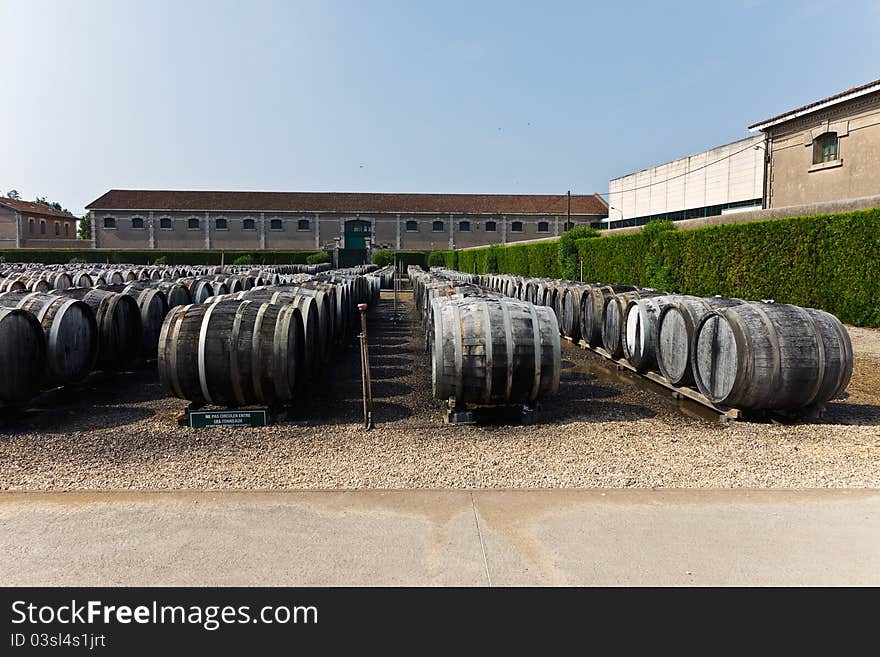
(67, 419)
(383, 373)
(853, 414)
(389, 361)
(555, 410)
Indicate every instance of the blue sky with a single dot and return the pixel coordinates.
(487, 97)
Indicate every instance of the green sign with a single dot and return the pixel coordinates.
(230, 418)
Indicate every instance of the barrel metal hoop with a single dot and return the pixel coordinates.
(487, 334)
(536, 338)
(457, 353)
(508, 340)
(203, 338)
(820, 346)
(234, 372)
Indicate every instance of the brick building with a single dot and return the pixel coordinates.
(140, 219)
(33, 225)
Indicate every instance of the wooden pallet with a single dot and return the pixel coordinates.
(725, 413)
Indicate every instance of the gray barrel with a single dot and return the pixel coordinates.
(13, 284)
(120, 334)
(571, 310)
(232, 353)
(176, 294)
(70, 330)
(612, 318)
(153, 307)
(640, 331)
(494, 351)
(81, 279)
(22, 356)
(771, 356)
(592, 307)
(676, 325)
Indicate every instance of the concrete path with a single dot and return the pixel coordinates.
(633, 537)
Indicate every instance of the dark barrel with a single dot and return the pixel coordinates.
(232, 353)
(676, 325)
(70, 331)
(22, 356)
(120, 333)
(571, 310)
(612, 318)
(592, 307)
(771, 356)
(489, 350)
(153, 307)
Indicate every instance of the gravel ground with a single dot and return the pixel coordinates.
(604, 429)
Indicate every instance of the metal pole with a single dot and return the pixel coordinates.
(365, 370)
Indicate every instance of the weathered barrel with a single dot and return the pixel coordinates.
(571, 310)
(771, 356)
(640, 331)
(676, 325)
(592, 307)
(13, 284)
(120, 334)
(495, 351)
(612, 318)
(70, 330)
(81, 279)
(232, 353)
(22, 356)
(153, 307)
(58, 280)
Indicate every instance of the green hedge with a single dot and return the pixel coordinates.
(404, 258)
(822, 261)
(63, 256)
(540, 259)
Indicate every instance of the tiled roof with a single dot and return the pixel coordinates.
(824, 101)
(130, 199)
(33, 208)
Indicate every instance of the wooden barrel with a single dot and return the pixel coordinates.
(22, 356)
(58, 280)
(13, 284)
(70, 330)
(120, 333)
(571, 311)
(676, 325)
(640, 331)
(494, 351)
(81, 279)
(612, 318)
(592, 308)
(176, 294)
(153, 307)
(771, 356)
(38, 285)
(199, 289)
(232, 353)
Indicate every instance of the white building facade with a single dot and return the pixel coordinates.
(729, 178)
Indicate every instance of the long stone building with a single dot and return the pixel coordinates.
(141, 219)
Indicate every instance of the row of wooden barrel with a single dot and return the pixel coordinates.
(259, 346)
(486, 349)
(749, 355)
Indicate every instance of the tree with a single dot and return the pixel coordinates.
(85, 227)
(55, 205)
(13, 194)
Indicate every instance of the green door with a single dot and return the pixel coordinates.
(355, 233)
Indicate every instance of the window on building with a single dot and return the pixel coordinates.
(569, 225)
(31, 225)
(464, 226)
(491, 226)
(42, 228)
(193, 223)
(137, 222)
(825, 148)
(516, 227)
(57, 229)
(543, 227)
(303, 224)
(248, 224)
(66, 229)
(412, 226)
(275, 224)
(437, 226)
(221, 224)
(109, 222)
(165, 222)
